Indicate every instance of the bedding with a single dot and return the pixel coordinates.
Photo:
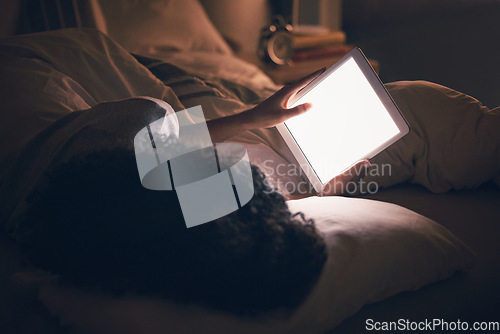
(365, 239)
(162, 25)
(470, 296)
(454, 142)
(40, 81)
(376, 249)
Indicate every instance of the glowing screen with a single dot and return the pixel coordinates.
(347, 122)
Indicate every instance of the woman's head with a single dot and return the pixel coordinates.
(97, 227)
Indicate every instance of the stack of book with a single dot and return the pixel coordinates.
(329, 44)
(312, 50)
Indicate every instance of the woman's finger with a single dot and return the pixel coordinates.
(297, 110)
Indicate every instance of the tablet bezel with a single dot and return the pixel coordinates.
(382, 94)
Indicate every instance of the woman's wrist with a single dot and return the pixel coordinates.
(224, 128)
(247, 120)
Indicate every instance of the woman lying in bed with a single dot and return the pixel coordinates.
(90, 221)
(96, 227)
(75, 201)
(93, 224)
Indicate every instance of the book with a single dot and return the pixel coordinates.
(321, 52)
(313, 41)
(297, 70)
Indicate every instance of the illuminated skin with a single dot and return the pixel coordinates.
(271, 112)
(265, 115)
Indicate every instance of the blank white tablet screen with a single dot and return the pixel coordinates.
(347, 122)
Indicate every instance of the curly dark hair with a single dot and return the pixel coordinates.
(96, 227)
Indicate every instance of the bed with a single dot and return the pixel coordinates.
(404, 252)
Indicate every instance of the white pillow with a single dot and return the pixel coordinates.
(153, 26)
(375, 250)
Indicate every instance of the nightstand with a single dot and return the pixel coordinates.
(295, 71)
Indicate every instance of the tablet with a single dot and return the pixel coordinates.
(353, 117)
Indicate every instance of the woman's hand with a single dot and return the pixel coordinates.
(274, 110)
(267, 114)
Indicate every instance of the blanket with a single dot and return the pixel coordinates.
(454, 142)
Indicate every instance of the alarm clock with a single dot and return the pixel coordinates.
(276, 44)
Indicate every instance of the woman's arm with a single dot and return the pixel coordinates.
(265, 115)
(272, 112)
